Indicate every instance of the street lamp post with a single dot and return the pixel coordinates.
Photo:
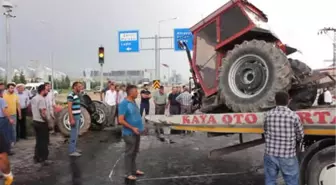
(168, 68)
(8, 10)
(51, 56)
(157, 63)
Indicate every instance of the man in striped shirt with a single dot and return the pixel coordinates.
(185, 100)
(74, 112)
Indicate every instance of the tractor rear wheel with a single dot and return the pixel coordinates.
(302, 97)
(64, 126)
(251, 74)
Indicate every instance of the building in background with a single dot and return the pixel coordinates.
(120, 76)
(35, 72)
(175, 78)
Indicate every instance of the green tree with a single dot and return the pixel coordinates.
(22, 78)
(66, 82)
(16, 79)
(49, 78)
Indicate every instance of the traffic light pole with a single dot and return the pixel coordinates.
(101, 56)
(101, 76)
(157, 50)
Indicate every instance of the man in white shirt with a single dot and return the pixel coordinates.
(122, 93)
(111, 101)
(327, 96)
(51, 103)
(24, 101)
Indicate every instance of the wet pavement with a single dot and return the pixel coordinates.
(183, 162)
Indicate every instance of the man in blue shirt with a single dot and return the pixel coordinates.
(130, 118)
(5, 168)
(5, 121)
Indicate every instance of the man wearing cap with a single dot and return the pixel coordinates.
(24, 102)
(160, 101)
(144, 102)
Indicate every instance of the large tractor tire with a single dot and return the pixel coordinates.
(64, 124)
(251, 74)
(303, 97)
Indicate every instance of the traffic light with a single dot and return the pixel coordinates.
(101, 55)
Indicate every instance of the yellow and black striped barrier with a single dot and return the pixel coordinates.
(156, 84)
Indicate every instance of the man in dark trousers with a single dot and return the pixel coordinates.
(131, 120)
(39, 110)
(174, 106)
(283, 133)
(145, 97)
(24, 102)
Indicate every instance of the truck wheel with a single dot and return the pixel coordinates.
(303, 97)
(322, 167)
(251, 74)
(100, 116)
(64, 124)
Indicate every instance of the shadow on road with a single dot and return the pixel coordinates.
(75, 171)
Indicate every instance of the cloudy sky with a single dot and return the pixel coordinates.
(73, 29)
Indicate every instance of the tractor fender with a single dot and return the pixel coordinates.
(308, 155)
(84, 105)
(101, 102)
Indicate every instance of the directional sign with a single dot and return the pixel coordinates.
(156, 84)
(128, 41)
(183, 34)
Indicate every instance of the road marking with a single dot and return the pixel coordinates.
(193, 176)
(182, 176)
(115, 164)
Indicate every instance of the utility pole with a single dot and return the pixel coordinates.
(158, 57)
(325, 31)
(52, 70)
(8, 15)
(52, 54)
(157, 50)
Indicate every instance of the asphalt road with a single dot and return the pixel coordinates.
(183, 162)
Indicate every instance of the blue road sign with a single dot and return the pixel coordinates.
(183, 34)
(128, 41)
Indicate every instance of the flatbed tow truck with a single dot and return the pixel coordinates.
(237, 65)
(317, 158)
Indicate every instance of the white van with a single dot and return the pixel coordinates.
(32, 88)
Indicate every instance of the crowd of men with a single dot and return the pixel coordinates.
(179, 101)
(14, 104)
(113, 95)
(280, 147)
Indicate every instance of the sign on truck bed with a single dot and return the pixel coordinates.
(316, 121)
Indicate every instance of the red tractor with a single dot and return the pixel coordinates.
(238, 63)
